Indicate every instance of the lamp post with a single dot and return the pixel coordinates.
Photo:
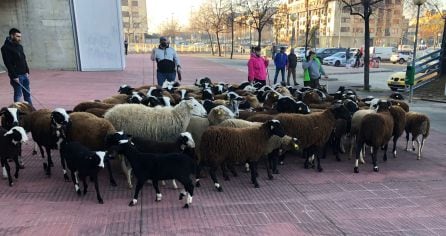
(293, 18)
(418, 3)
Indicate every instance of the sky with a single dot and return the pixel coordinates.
(162, 10)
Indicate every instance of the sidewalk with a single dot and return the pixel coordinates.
(407, 197)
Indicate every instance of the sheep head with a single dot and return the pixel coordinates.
(10, 117)
(126, 89)
(274, 128)
(59, 117)
(186, 141)
(17, 135)
(196, 108)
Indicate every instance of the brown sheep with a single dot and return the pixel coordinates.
(99, 112)
(116, 99)
(417, 124)
(271, 99)
(311, 97)
(221, 145)
(83, 106)
(399, 121)
(375, 130)
(260, 117)
(244, 115)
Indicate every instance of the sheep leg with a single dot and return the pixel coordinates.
(418, 149)
(198, 174)
(318, 160)
(247, 167)
(75, 180)
(359, 147)
(157, 190)
(395, 139)
(5, 174)
(374, 157)
(64, 168)
(341, 143)
(127, 171)
(337, 148)
(174, 184)
(214, 178)
(413, 142)
(139, 184)
(224, 171)
(96, 187)
(110, 174)
(422, 146)
(407, 141)
(8, 171)
(268, 169)
(17, 167)
(232, 169)
(254, 174)
(385, 151)
(352, 145)
(84, 181)
(21, 165)
(49, 161)
(281, 159)
(273, 160)
(189, 187)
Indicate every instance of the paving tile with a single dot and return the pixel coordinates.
(252, 219)
(281, 217)
(388, 202)
(365, 225)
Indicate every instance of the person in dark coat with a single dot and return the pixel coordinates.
(292, 63)
(126, 46)
(347, 58)
(280, 60)
(15, 62)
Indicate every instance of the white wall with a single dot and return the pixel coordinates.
(99, 34)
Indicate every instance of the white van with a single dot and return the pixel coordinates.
(382, 53)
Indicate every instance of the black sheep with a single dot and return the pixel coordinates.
(10, 148)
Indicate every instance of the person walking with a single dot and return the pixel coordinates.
(280, 60)
(357, 59)
(167, 62)
(315, 70)
(126, 46)
(257, 67)
(15, 61)
(347, 58)
(291, 66)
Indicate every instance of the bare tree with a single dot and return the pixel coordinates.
(261, 12)
(170, 28)
(217, 12)
(364, 9)
(200, 21)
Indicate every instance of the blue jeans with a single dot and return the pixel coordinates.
(18, 90)
(282, 71)
(161, 77)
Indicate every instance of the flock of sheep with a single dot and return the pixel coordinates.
(173, 132)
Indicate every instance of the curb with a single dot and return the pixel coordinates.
(432, 100)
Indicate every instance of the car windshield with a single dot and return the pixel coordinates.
(320, 50)
(338, 54)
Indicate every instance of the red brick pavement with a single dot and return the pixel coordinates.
(407, 197)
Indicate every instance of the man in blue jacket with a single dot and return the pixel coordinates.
(15, 62)
(280, 60)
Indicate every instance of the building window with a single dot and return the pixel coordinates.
(135, 14)
(346, 10)
(124, 2)
(386, 32)
(134, 3)
(345, 29)
(396, 21)
(136, 25)
(345, 19)
(126, 25)
(125, 14)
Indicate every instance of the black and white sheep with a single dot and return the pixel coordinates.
(83, 163)
(155, 167)
(417, 124)
(9, 148)
(221, 145)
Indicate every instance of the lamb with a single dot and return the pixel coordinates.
(417, 124)
(159, 123)
(82, 163)
(229, 145)
(376, 130)
(155, 167)
(9, 149)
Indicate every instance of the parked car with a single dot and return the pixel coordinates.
(401, 57)
(397, 81)
(322, 53)
(337, 59)
(300, 53)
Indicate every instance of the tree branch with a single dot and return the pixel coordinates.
(350, 6)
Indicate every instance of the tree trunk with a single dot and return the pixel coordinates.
(218, 44)
(259, 42)
(232, 37)
(212, 45)
(366, 45)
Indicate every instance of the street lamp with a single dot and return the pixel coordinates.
(250, 21)
(293, 18)
(418, 3)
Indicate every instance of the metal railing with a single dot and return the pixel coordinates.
(427, 68)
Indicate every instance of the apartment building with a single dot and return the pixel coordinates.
(331, 25)
(134, 17)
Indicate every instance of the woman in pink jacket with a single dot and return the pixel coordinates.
(257, 67)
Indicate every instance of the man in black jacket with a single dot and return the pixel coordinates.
(292, 63)
(15, 62)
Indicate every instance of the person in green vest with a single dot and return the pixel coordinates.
(313, 70)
